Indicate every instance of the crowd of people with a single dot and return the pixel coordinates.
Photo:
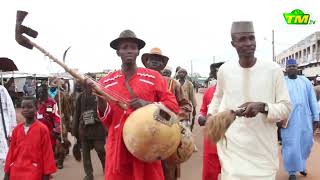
(270, 101)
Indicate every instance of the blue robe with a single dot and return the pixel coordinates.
(297, 138)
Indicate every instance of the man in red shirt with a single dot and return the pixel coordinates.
(30, 154)
(211, 166)
(140, 86)
(48, 115)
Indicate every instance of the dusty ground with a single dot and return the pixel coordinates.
(191, 170)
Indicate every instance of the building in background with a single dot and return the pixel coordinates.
(307, 54)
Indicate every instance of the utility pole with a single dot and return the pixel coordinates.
(214, 59)
(273, 57)
(191, 69)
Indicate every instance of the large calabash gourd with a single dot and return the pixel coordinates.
(185, 148)
(152, 133)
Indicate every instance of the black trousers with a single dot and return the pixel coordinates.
(87, 146)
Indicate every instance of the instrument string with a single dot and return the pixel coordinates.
(112, 93)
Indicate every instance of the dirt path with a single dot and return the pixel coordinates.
(191, 170)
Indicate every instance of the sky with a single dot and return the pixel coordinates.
(189, 32)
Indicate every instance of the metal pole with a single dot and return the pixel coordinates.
(191, 70)
(214, 59)
(273, 56)
(61, 118)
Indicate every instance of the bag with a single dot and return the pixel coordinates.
(88, 117)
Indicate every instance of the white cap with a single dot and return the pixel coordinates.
(241, 27)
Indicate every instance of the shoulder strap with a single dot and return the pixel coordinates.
(130, 89)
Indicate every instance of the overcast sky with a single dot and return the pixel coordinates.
(185, 30)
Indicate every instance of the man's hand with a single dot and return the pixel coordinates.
(202, 120)
(252, 109)
(138, 103)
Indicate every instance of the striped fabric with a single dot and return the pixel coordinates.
(10, 120)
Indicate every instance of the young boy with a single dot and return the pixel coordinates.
(30, 154)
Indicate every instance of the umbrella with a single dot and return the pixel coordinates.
(6, 65)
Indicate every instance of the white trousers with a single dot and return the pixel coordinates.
(226, 176)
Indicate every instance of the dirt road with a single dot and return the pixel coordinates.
(191, 170)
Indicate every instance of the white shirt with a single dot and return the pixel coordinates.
(10, 120)
(251, 148)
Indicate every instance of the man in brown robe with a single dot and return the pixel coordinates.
(87, 128)
(58, 92)
(156, 61)
(189, 93)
